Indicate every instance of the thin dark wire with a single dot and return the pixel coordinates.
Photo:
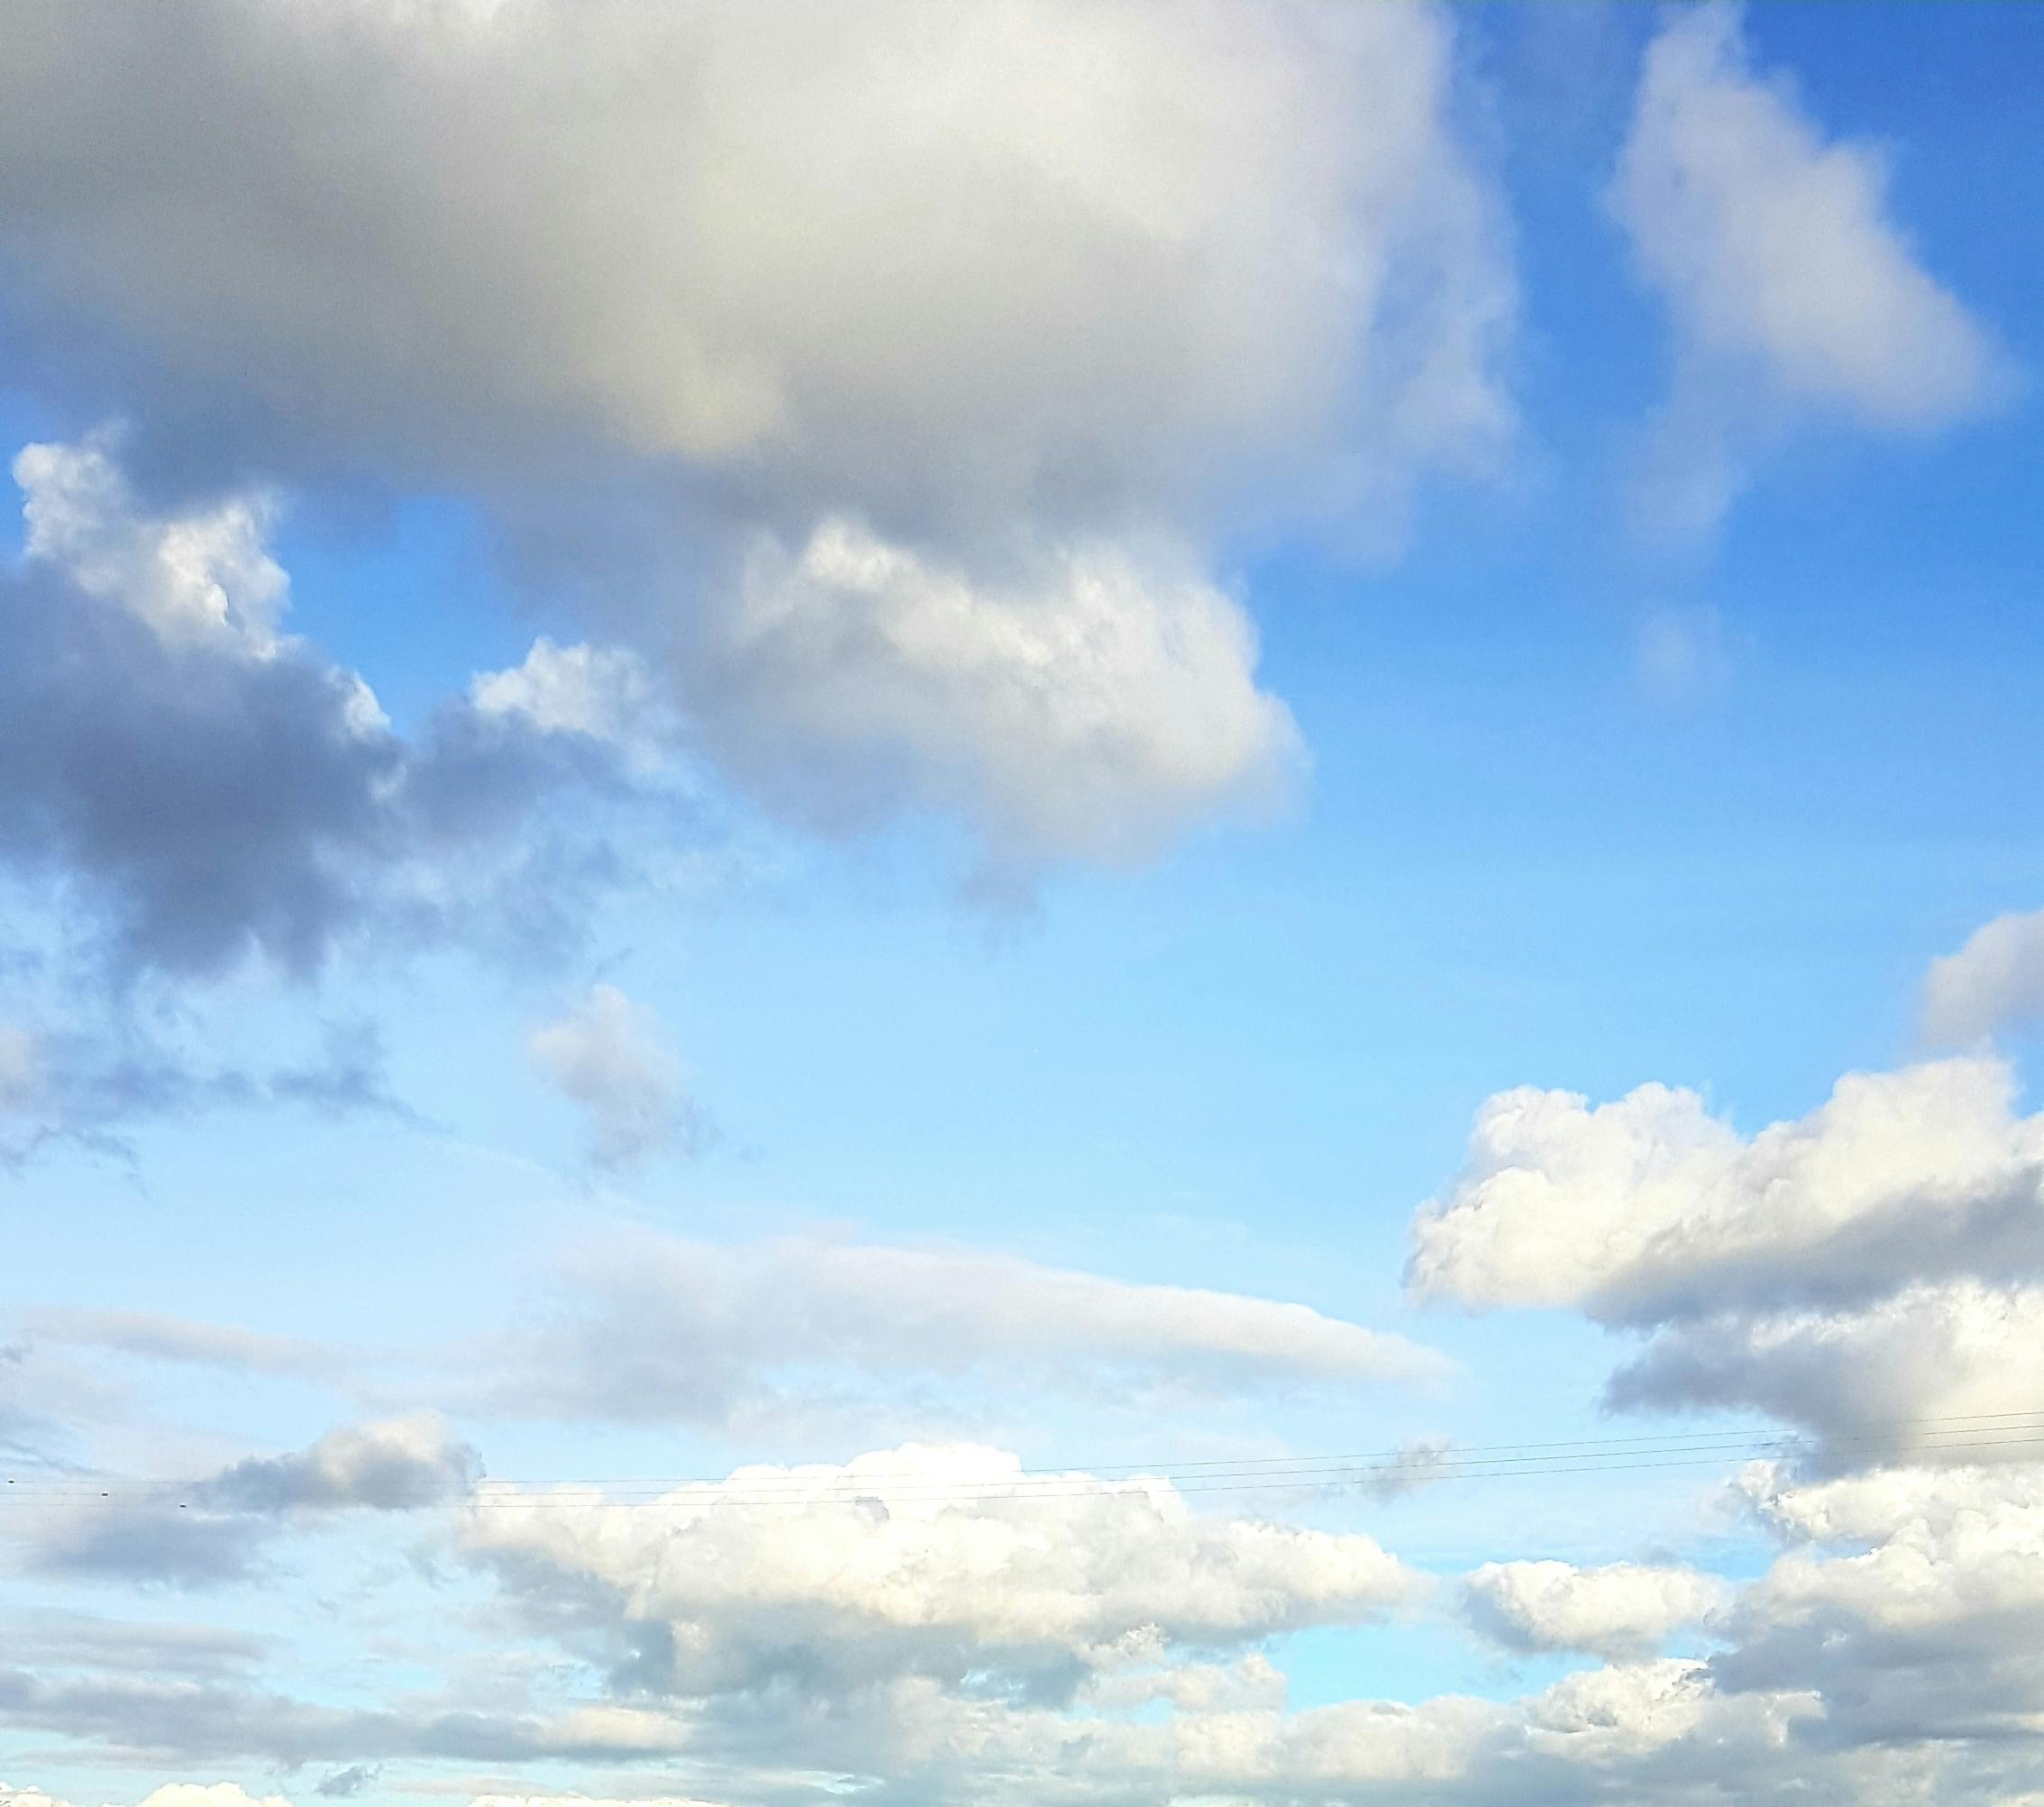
(1957, 1434)
(1403, 1459)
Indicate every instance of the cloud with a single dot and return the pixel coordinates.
(157, 1336)
(86, 1089)
(1789, 287)
(217, 1529)
(1869, 1272)
(1191, 235)
(602, 692)
(1094, 705)
(1908, 1599)
(204, 788)
(172, 1794)
(1919, 1376)
(920, 1561)
(1996, 982)
(609, 1056)
(1680, 657)
(908, 403)
(661, 1329)
(392, 1465)
(1621, 1610)
(1651, 1208)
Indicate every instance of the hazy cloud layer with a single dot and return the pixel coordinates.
(662, 1330)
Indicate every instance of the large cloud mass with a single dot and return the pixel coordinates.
(936, 341)
(1061, 259)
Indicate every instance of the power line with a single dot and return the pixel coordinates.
(1960, 1434)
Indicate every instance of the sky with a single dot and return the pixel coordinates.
(1051, 905)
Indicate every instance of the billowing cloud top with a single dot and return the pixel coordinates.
(1651, 1208)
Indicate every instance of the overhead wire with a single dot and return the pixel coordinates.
(1383, 1471)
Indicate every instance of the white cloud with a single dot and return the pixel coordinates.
(935, 1561)
(204, 575)
(1863, 1272)
(1994, 982)
(609, 1055)
(1651, 1209)
(1622, 1609)
(603, 692)
(1909, 1598)
(1789, 286)
(1093, 706)
(172, 1794)
(664, 1329)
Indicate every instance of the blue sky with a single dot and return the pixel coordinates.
(1019, 662)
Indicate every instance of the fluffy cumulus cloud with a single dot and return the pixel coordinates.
(1908, 1598)
(603, 692)
(945, 1563)
(664, 1329)
(1870, 1271)
(950, 336)
(1786, 278)
(1996, 982)
(1651, 1209)
(1097, 703)
(206, 788)
(609, 1056)
(1620, 1610)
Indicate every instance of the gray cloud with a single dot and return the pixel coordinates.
(609, 1056)
(220, 1528)
(88, 1088)
(204, 789)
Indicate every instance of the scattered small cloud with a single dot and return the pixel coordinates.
(609, 1056)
